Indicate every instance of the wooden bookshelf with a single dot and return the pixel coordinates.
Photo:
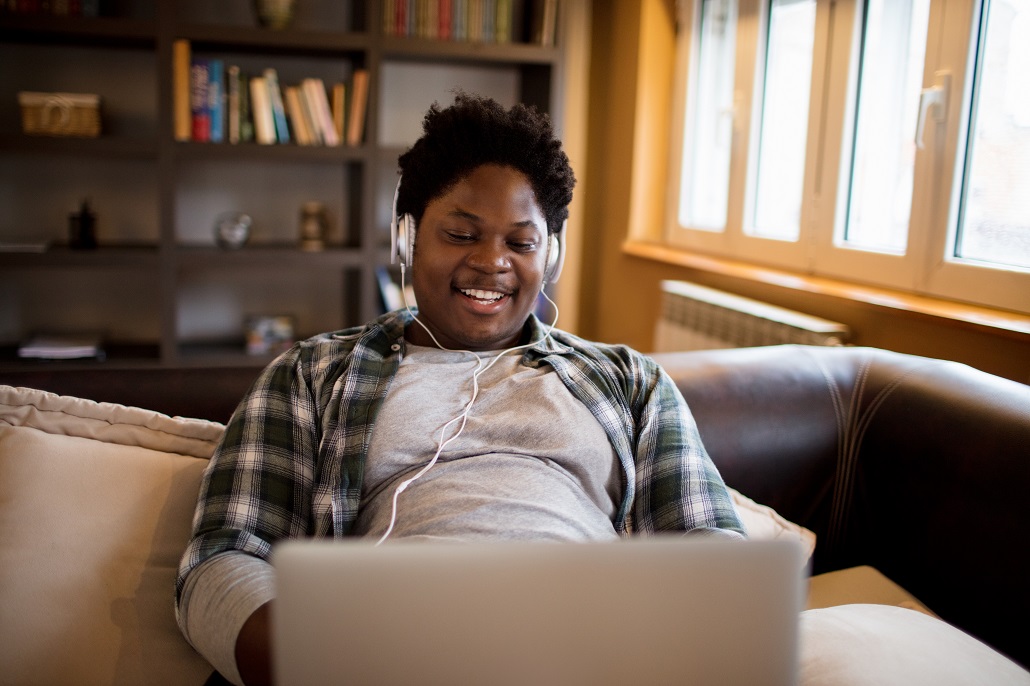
(165, 294)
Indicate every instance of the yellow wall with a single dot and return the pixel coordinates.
(632, 45)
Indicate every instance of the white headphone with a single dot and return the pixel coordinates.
(402, 242)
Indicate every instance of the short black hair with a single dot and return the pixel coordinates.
(474, 131)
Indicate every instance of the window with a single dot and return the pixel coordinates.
(880, 141)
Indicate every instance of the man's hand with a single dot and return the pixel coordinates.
(254, 648)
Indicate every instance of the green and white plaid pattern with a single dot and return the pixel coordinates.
(291, 461)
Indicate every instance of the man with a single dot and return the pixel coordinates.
(469, 419)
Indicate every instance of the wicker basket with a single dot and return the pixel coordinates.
(60, 114)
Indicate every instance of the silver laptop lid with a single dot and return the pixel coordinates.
(639, 611)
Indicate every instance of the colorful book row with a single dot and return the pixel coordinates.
(219, 103)
(474, 21)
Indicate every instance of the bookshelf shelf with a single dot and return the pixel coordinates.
(107, 32)
(158, 283)
(114, 147)
(276, 256)
(265, 42)
(421, 49)
(255, 151)
(142, 257)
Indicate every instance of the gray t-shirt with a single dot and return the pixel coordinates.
(531, 462)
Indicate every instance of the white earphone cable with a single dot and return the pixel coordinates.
(463, 417)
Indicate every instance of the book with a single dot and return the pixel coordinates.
(310, 117)
(358, 105)
(200, 116)
(232, 116)
(339, 107)
(181, 90)
(445, 20)
(216, 100)
(459, 20)
(318, 103)
(246, 117)
(275, 98)
(261, 108)
(297, 116)
(503, 21)
(544, 21)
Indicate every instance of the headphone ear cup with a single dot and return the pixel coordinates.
(402, 239)
(555, 257)
(407, 239)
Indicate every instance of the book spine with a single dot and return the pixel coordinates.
(275, 96)
(445, 20)
(319, 101)
(181, 90)
(291, 94)
(459, 14)
(503, 21)
(261, 106)
(389, 18)
(199, 116)
(310, 113)
(400, 15)
(233, 114)
(489, 20)
(246, 116)
(339, 107)
(216, 100)
(358, 102)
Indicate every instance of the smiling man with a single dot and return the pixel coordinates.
(467, 419)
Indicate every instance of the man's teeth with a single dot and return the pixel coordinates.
(482, 295)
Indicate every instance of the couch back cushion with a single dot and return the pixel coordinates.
(96, 502)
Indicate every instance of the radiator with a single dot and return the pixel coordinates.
(697, 318)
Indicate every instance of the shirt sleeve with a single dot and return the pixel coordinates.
(219, 597)
(257, 487)
(679, 487)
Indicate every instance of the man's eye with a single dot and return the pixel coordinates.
(524, 246)
(459, 237)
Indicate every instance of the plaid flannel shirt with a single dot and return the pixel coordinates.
(291, 460)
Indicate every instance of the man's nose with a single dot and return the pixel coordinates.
(489, 256)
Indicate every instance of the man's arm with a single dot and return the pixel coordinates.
(680, 487)
(255, 491)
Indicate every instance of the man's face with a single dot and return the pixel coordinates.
(478, 261)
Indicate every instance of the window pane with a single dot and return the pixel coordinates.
(890, 83)
(995, 225)
(784, 123)
(709, 125)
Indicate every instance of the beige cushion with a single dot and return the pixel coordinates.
(880, 645)
(762, 522)
(96, 502)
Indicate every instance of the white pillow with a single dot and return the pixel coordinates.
(763, 522)
(96, 502)
(883, 645)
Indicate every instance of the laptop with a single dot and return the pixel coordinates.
(652, 611)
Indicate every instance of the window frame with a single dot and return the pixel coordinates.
(924, 268)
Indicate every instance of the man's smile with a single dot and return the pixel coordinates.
(482, 295)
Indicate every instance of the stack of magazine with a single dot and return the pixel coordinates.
(62, 347)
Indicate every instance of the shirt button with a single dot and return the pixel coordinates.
(395, 347)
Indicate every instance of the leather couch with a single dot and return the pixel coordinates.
(914, 466)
